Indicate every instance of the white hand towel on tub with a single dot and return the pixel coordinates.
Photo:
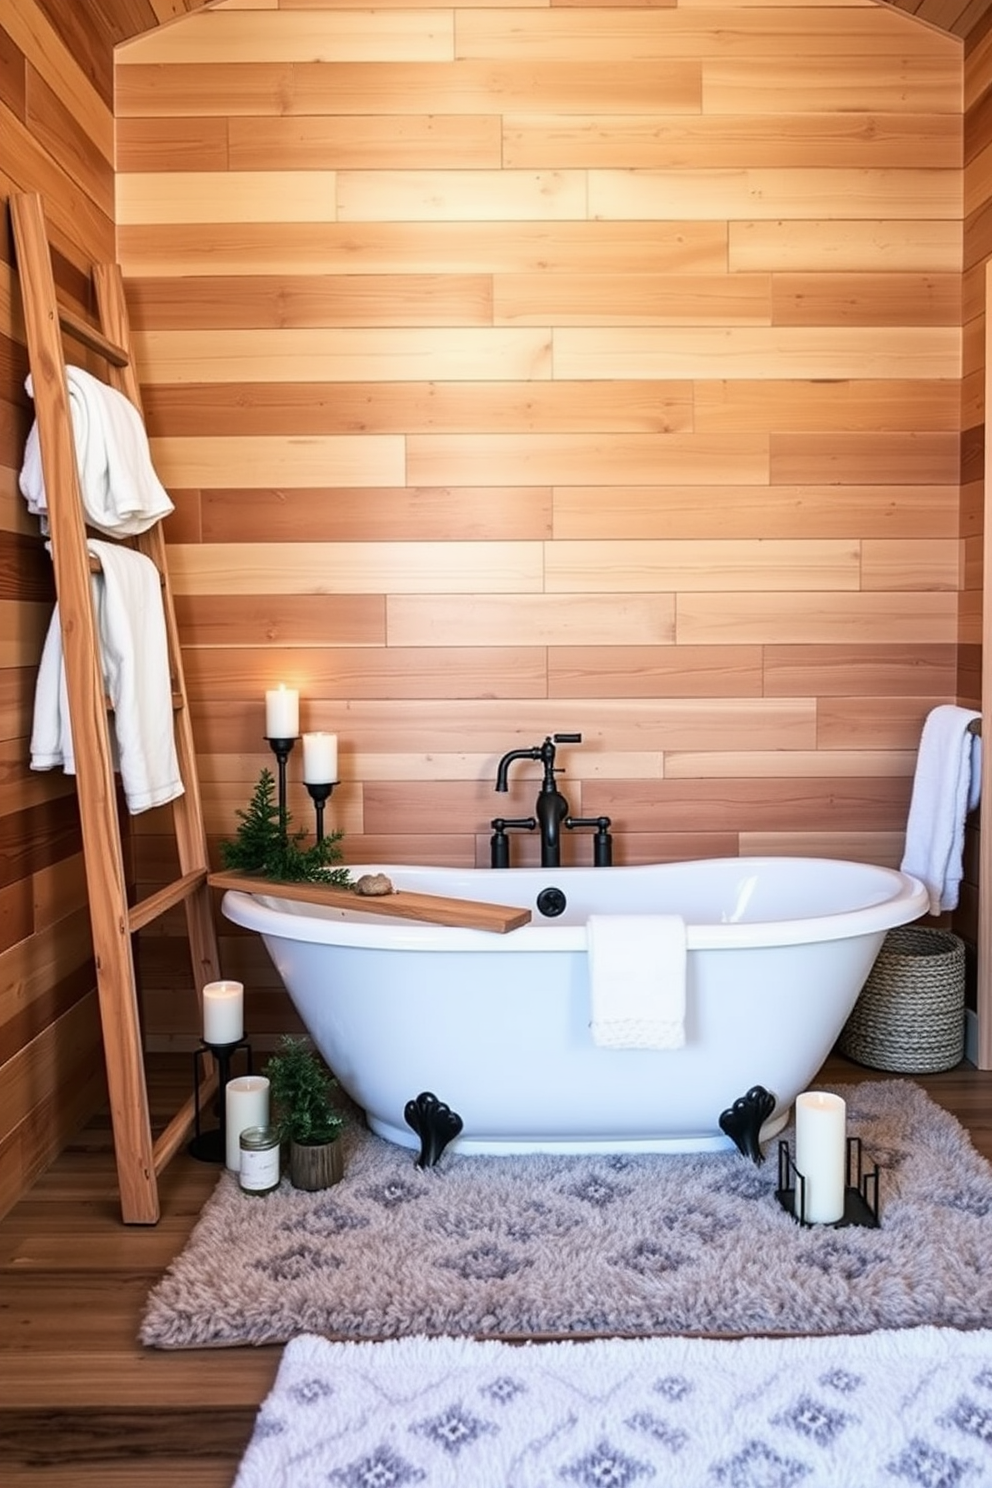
(637, 977)
(121, 492)
(946, 786)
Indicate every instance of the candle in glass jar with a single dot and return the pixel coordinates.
(246, 1103)
(320, 759)
(821, 1155)
(223, 1012)
(282, 712)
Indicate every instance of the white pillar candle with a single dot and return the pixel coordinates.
(223, 1012)
(320, 759)
(821, 1155)
(246, 1103)
(282, 712)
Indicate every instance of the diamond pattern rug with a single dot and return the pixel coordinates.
(910, 1409)
(539, 1246)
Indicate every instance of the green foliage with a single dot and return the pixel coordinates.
(265, 846)
(301, 1085)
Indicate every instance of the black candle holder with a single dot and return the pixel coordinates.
(860, 1192)
(211, 1146)
(282, 749)
(319, 794)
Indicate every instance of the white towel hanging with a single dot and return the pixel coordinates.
(122, 495)
(946, 786)
(134, 653)
(637, 980)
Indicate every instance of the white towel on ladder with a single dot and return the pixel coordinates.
(946, 786)
(122, 495)
(135, 660)
(637, 980)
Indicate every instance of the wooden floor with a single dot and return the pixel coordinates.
(80, 1402)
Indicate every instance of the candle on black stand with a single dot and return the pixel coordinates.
(282, 748)
(211, 1146)
(319, 793)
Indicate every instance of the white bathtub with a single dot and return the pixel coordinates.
(497, 1026)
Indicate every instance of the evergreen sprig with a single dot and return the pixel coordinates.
(301, 1086)
(265, 846)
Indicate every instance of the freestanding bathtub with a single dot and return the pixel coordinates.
(498, 1026)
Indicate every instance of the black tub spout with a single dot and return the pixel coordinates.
(551, 808)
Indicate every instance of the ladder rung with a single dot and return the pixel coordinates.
(97, 567)
(88, 336)
(177, 702)
(174, 1135)
(156, 904)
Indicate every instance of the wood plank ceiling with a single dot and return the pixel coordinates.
(122, 19)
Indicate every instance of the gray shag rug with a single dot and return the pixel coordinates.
(543, 1246)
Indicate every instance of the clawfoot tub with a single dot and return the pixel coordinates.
(498, 1026)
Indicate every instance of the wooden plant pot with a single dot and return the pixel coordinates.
(315, 1166)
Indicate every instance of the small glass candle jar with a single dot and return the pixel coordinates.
(259, 1172)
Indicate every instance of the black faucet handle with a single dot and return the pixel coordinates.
(567, 738)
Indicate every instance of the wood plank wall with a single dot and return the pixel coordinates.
(523, 368)
(57, 130)
(977, 250)
(514, 369)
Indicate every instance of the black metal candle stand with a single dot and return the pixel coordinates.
(282, 749)
(319, 794)
(211, 1146)
(860, 1192)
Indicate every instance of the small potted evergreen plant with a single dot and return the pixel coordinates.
(300, 1085)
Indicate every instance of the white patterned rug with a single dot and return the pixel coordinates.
(910, 1409)
(583, 1246)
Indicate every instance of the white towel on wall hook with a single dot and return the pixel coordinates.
(946, 786)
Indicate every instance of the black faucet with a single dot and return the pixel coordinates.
(551, 808)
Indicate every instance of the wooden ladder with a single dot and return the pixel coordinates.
(114, 921)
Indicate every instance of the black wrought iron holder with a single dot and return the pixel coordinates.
(282, 749)
(860, 1192)
(319, 794)
(211, 1146)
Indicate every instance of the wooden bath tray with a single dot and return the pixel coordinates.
(402, 904)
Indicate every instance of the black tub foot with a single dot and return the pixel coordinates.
(435, 1124)
(744, 1120)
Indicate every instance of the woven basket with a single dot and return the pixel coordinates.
(910, 1013)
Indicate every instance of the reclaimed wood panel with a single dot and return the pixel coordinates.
(269, 302)
(328, 355)
(883, 407)
(324, 35)
(540, 406)
(357, 568)
(417, 141)
(456, 459)
(828, 140)
(806, 511)
(816, 618)
(717, 566)
(442, 247)
(756, 352)
(305, 88)
(352, 514)
(345, 459)
(685, 31)
(757, 194)
(845, 245)
(586, 619)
